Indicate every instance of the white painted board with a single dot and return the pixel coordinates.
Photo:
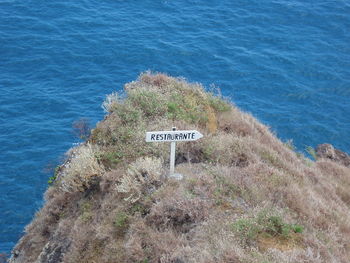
(173, 136)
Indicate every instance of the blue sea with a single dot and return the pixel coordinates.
(286, 62)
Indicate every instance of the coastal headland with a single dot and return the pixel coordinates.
(245, 195)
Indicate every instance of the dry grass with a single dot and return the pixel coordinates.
(245, 197)
(81, 168)
(142, 178)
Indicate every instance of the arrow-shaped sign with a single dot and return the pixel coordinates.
(173, 136)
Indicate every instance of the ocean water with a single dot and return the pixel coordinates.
(286, 62)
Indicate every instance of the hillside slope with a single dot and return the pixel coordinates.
(245, 197)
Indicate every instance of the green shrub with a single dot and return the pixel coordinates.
(85, 209)
(53, 178)
(247, 229)
(110, 159)
(188, 108)
(128, 113)
(264, 223)
(298, 229)
(121, 222)
(150, 103)
(218, 104)
(121, 219)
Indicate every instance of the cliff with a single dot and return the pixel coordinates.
(245, 196)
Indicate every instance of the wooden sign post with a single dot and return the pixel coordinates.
(173, 137)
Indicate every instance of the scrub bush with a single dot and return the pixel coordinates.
(142, 177)
(80, 169)
(264, 223)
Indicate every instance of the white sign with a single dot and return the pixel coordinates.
(173, 136)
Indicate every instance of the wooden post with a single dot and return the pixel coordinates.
(172, 155)
(173, 136)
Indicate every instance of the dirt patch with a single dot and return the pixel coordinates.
(294, 241)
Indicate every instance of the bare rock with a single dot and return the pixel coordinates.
(53, 252)
(327, 151)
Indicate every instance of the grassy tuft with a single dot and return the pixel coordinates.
(310, 150)
(265, 223)
(121, 222)
(86, 211)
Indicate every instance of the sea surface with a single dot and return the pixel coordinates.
(285, 61)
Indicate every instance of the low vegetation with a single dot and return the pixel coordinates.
(245, 197)
(265, 224)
